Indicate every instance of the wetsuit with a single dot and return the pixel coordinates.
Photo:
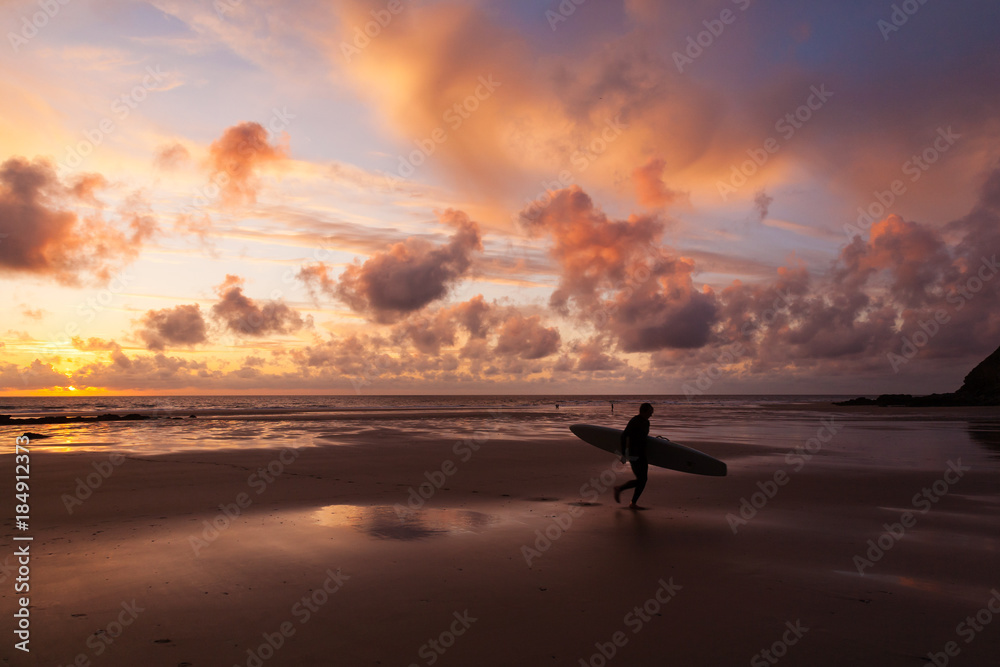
(635, 433)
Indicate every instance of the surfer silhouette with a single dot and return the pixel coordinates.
(633, 447)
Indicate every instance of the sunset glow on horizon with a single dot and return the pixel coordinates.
(486, 197)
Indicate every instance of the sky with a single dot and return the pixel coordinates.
(498, 197)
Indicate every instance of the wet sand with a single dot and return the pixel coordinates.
(315, 556)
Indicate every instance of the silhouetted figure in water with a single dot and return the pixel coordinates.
(634, 450)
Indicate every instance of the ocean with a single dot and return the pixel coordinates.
(760, 426)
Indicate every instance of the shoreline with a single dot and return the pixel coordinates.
(521, 534)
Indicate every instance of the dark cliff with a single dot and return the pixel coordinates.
(981, 387)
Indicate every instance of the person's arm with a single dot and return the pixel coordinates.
(637, 440)
(626, 440)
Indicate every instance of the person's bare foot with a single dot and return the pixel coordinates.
(633, 506)
(618, 494)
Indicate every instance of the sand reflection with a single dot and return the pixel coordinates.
(389, 523)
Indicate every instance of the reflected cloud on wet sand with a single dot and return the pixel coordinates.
(400, 523)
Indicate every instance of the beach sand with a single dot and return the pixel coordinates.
(314, 560)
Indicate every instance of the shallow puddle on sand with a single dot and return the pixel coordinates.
(402, 523)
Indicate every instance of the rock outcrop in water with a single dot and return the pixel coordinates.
(7, 419)
(981, 387)
(982, 384)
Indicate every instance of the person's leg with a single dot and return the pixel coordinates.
(641, 470)
(618, 489)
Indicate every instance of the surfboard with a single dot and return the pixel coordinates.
(659, 451)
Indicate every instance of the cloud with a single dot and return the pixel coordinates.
(245, 317)
(526, 338)
(118, 359)
(33, 313)
(665, 311)
(317, 279)
(474, 315)
(905, 280)
(94, 344)
(410, 274)
(592, 355)
(361, 358)
(593, 251)
(85, 187)
(762, 203)
(40, 235)
(650, 189)
(197, 224)
(914, 257)
(236, 157)
(180, 325)
(442, 70)
(37, 375)
(143, 372)
(552, 109)
(171, 156)
(429, 331)
(18, 335)
(615, 276)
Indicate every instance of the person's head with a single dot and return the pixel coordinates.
(646, 410)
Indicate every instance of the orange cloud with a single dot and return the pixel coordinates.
(235, 158)
(317, 279)
(41, 235)
(650, 189)
(593, 251)
(439, 72)
(469, 95)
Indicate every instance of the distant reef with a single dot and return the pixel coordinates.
(981, 387)
(7, 419)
